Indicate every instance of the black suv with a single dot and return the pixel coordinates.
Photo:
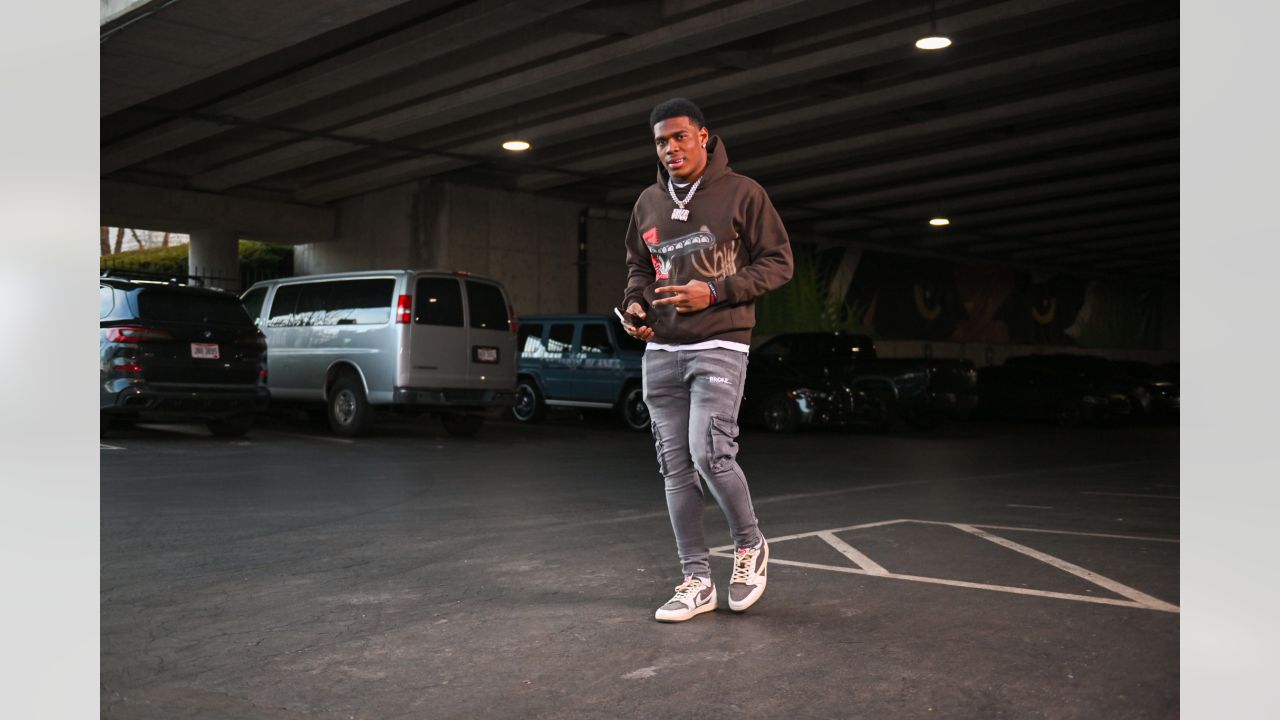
(169, 352)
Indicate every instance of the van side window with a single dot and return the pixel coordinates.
(282, 305)
(360, 302)
(529, 341)
(560, 339)
(595, 339)
(488, 308)
(437, 301)
(252, 302)
(312, 304)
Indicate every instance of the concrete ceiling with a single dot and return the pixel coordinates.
(1048, 132)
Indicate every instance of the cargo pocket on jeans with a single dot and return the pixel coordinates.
(721, 439)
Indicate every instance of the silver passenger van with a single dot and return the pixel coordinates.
(407, 340)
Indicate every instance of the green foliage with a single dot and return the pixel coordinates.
(803, 304)
(257, 260)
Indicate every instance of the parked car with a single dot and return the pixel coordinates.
(406, 340)
(172, 353)
(1155, 396)
(579, 360)
(1067, 388)
(805, 379)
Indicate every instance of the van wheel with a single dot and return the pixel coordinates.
(632, 410)
(461, 425)
(233, 426)
(528, 406)
(349, 409)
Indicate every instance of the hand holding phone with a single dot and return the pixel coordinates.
(633, 322)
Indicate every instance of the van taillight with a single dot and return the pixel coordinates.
(137, 334)
(404, 309)
(511, 318)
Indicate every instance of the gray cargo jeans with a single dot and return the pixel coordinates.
(693, 398)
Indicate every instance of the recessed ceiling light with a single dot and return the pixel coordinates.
(933, 42)
(515, 145)
(939, 221)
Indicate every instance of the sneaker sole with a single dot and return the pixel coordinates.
(755, 594)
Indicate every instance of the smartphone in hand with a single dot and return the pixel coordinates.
(628, 318)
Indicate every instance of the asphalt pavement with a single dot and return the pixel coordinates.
(984, 570)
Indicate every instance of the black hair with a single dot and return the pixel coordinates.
(677, 107)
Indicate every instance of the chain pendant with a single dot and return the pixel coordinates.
(680, 214)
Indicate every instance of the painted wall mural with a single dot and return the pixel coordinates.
(898, 297)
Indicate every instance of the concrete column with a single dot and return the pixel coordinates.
(215, 254)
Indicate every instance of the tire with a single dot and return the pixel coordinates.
(528, 406)
(631, 409)
(349, 411)
(233, 426)
(780, 414)
(881, 411)
(460, 425)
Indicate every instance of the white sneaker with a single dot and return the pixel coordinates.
(693, 597)
(746, 585)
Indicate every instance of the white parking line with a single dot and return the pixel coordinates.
(1063, 565)
(864, 562)
(1116, 494)
(867, 566)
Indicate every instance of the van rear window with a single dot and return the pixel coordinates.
(488, 307)
(437, 301)
(192, 307)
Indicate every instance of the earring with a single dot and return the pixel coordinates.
(704, 144)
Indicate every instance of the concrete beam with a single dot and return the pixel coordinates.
(469, 25)
(940, 191)
(1066, 59)
(142, 206)
(964, 158)
(176, 44)
(964, 218)
(730, 23)
(841, 58)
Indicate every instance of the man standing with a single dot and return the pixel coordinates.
(704, 242)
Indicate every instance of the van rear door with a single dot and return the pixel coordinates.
(492, 348)
(438, 342)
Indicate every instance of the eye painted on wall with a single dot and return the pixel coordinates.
(927, 302)
(1043, 310)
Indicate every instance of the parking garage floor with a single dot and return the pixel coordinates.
(981, 571)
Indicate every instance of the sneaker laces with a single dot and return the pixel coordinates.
(743, 561)
(688, 589)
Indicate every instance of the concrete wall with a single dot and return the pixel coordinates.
(527, 242)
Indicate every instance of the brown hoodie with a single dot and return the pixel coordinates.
(733, 238)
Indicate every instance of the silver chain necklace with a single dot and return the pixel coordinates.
(678, 212)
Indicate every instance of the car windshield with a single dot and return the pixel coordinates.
(192, 307)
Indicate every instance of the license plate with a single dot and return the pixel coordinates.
(486, 354)
(205, 351)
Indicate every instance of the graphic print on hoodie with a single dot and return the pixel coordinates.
(733, 238)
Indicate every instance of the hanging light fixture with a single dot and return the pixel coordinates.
(515, 143)
(933, 41)
(939, 221)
